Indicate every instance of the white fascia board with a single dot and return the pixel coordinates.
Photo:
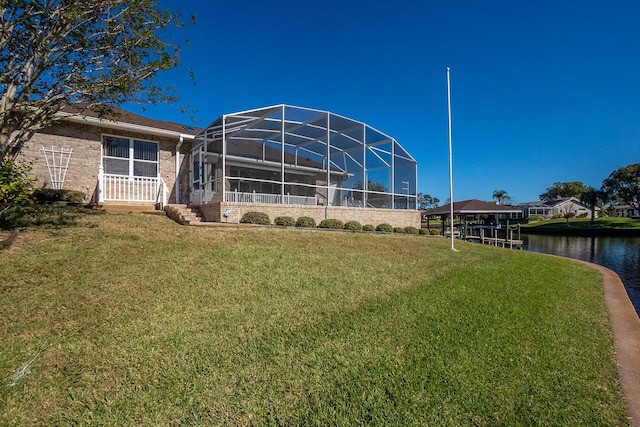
(123, 126)
(472, 212)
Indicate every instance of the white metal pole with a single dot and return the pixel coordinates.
(450, 156)
(282, 130)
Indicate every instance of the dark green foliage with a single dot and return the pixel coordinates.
(398, 230)
(565, 189)
(411, 230)
(434, 231)
(306, 221)
(352, 225)
(368, 227)
(48, 215)
(623, 185)
(15, 184)
(253, 217)
(331, 223)
(387, 228)
(53, 195)
(98, 52)
(285, 221)
(423, 231)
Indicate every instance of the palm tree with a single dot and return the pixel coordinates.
(501, 197)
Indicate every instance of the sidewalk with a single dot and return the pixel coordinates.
(625, 325)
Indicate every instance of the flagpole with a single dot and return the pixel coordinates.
(450, 158)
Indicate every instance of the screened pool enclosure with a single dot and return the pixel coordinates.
(300, 156)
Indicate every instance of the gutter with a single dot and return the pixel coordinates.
(123, 125)
(177, 181)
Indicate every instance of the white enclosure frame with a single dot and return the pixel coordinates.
(346, 162)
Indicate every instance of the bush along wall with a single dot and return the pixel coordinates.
(306, 221)
(253, 217)
(352, 226)
(45, 195)
(285, 221)
(334, 224)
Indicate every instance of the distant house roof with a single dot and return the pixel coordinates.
(471, 207)
(119, 118)
(549, 203)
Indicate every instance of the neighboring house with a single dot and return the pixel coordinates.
(625, 211)
(282, 160)
(555, 208)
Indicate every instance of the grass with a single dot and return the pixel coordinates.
(586, 224)
(135, 320)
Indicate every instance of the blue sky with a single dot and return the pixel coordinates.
(542, 91)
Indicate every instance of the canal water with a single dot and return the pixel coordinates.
(620, 254)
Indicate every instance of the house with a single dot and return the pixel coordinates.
(625, 211)
(282, 160)
(555, 208)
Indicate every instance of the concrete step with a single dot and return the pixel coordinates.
(184, 214)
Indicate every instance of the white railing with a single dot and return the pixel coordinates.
(162, 195)
(132, 189)
(272, 199)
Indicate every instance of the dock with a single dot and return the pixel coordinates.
(493, 239)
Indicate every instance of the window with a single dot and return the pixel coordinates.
(129, 157)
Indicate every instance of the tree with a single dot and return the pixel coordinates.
(593, 199)
(425, 201)
(58, 52)
(567, 212)
(560, 190)
(501, 197)
(624, 184)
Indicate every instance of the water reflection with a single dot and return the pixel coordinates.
(620, 254)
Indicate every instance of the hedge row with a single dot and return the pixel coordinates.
(262, 218)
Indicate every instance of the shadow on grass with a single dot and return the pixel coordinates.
(44, 215)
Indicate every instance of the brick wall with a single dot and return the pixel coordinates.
(84, 165)
(398, 218)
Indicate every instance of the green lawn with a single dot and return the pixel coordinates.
(135, 320)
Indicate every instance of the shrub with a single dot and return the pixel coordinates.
(352, 225)
(411, 230)
(434, 231)
(387, 228)
(306, 221)
(331, 223)
(398, 230)
(423, 231)
(54, 195)
(253, 217)
(44, 215)
(286, 221)
(15, 183)
(368, 227)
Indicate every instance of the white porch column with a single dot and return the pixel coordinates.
(282, 158)
(364, 165)
(100, 195)
(329, 203)
(177, 180)
(393, 173)
(224, 160)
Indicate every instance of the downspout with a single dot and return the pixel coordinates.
(177, 184)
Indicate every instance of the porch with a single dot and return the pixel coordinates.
(131, 190)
